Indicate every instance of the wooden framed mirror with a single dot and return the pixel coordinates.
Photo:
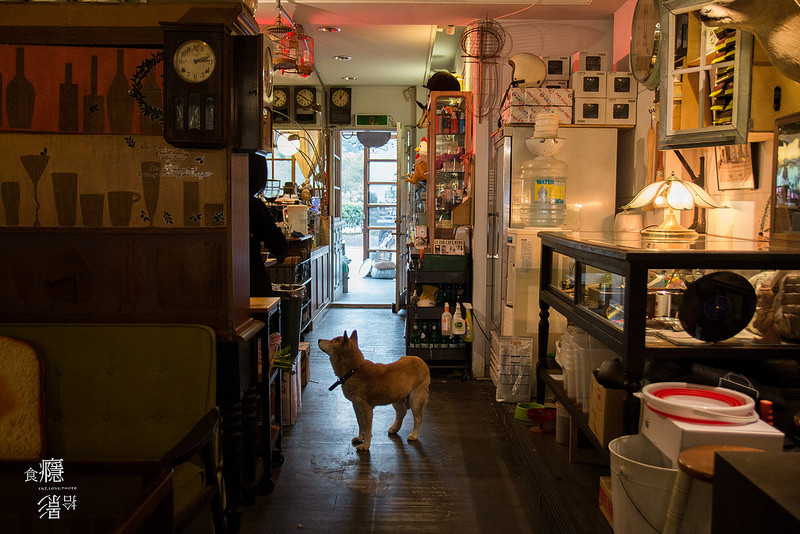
(705, 80)
(785, 213)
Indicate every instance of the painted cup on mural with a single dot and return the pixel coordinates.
(151, 181)
(10, 194)
(65, 192)
(120, 204)
(92, 208)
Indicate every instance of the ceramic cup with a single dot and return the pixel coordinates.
(92, 208)
(120, 204)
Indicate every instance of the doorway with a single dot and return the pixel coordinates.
(369, 211)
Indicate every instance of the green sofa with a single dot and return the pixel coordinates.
(134, 391)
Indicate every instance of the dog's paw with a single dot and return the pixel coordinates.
(394, 430)
(357, 440)
(413, 436)
(364, 447)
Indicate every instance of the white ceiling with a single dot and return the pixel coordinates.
(391, 41)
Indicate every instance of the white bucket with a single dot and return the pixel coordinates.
(641, 486)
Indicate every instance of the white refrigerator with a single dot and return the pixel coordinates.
(514, 250)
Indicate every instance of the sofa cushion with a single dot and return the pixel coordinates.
(121, 391)
(21, 401)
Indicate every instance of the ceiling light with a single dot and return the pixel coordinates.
(342, 58)
(349, 78)
(333, 29)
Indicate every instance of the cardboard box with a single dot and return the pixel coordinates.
(305, 363)
(517, 96)
(672, 437)
(537, 96)
(621, 85)
(291, 395)
(621, 111)
(462, 214)
(589, 111)
(605, 411)
(558, 68)
(605, 501)
(516, 115)
(589, 84)
(597, 61)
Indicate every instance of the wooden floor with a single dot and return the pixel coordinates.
(462, 476)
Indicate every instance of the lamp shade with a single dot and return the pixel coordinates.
(671, 194)
(674, 193)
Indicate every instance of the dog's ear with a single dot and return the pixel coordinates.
(344, 336)
(354, 336)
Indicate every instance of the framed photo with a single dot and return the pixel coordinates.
(450, 247)
(734, 167)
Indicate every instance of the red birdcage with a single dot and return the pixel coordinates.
(304, 47)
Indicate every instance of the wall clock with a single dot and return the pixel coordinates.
(252, 123)
(304, 100)
(339, 105)
(281, 104)
(645, 54)
(197, 84)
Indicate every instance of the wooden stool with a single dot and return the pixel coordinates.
(694, 463)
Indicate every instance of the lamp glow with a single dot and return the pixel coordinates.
(672, 194)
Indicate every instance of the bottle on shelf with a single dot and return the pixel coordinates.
(468, 335)
(436, 338)
(414, 341)
(459, 327)
(447, 320)
(424, 340)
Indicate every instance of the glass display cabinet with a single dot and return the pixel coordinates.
(627, 292)
(449, 184)
(785, 223)
(705, 80)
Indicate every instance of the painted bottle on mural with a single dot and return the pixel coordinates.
(20, 96)
(119, 102)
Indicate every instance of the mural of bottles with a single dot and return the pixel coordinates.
(92, 91)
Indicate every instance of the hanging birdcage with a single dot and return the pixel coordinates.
(305, 52)
(285, 56)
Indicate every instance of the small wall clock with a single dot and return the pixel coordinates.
(197, 84)
(281, 104)
(339, 105)
(304, 99)
(645, 54)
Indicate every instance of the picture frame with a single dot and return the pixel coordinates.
(734, 164)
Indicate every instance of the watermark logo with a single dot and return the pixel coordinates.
(57, 498)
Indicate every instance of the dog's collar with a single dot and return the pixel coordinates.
(342, 380)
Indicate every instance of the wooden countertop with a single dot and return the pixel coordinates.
(264, 304)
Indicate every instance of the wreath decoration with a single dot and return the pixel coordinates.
(153, 113)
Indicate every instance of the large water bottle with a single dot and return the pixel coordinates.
(543, 185)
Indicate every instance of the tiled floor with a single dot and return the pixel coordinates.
(376, 292)
(460, 477)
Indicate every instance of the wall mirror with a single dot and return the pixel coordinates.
(705, 80)
(785, 226)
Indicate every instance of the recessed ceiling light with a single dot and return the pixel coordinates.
(342, 58)
(349, 78)
(329, 29)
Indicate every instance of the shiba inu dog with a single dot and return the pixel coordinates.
(403, 384)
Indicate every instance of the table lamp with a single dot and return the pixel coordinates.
(671, 194)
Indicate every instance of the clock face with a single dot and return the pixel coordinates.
(645, 42)
(340, 98)
(194, 61)
(279, 98)
(304, 98)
